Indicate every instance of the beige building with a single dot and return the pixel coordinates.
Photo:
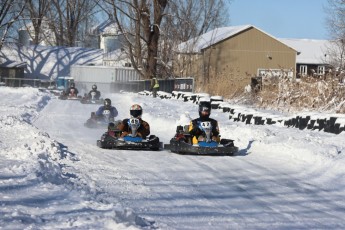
(229, 57)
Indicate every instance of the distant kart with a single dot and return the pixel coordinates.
(91, 99)
(96, 122)
(112, 139)
(69, 97)
(181, 143)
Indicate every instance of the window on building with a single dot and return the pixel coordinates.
(303, 70)
(321, 70)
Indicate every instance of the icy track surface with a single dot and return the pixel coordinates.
(280, 179)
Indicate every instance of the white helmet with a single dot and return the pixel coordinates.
(136, 111)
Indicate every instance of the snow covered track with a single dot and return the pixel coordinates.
(281, 178)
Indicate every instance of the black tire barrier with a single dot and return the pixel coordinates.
(321, 124)
(333, 125)
(329, 125)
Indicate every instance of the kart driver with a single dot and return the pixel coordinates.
(72, 91)
(204, 115)
(143, 129)
(105, 109)
(94, 94)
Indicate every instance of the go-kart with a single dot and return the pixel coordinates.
(91, 99)
(112, 139)
(101, 121)
(65, 96)
(181, 143)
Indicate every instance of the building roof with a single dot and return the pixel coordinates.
(310, 51)
(107, 27)
(197, 44)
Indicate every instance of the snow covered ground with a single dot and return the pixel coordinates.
(53, 176)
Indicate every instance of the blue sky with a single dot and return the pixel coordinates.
(282, 18)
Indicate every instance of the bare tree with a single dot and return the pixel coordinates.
(36, 13)
(335, 54)
(195, 17)
(153, 28)
(140, 23)
(191, 19)
(335, 22)
(66, 17)
(186, 20)
(10, 11)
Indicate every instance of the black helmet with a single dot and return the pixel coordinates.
(107, 102)
(72, 85)
(111, 126)
(136, 111)
(94, 87)
(204, 106)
